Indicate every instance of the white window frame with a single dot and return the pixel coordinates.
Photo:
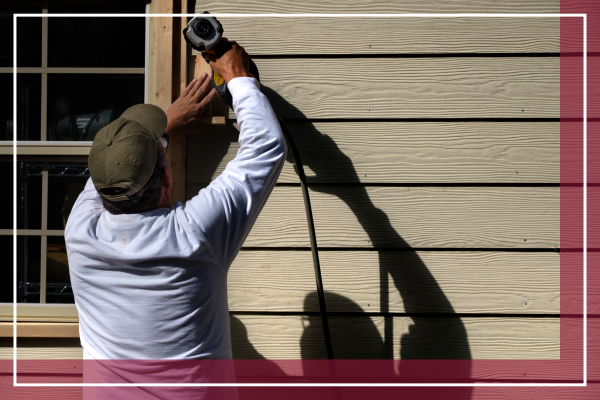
(45, 151)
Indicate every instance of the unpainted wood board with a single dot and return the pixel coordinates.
(415, 282)
(436, 217)
(152, 55)
(372, 36)
(400, 152)
(376, 6)
(163, 55)
(299, 337)
(452, 87)
(201, 67)
(184, 50)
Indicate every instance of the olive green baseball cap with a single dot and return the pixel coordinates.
(124, 152)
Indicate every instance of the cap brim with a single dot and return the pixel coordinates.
(150, 116)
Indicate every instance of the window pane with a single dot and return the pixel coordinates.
(28, 269)
(58, 281)
(101, 42)
(29, 195)
(6, 269)
(29, 106)
(6, 107)
(65, 182)
(29, 36)
(79, 105)
(6, 200)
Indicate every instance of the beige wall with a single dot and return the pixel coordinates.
(413, 138)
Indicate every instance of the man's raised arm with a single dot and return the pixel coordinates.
(226, 210)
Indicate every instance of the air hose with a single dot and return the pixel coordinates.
(313, 237)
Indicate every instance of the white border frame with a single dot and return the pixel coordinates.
(462, 15)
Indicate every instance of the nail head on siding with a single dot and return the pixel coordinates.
(368, 109)
(369, 45)
(524, 240)
(522, 109)
(365, 175)
(517, 172)
(368, 241)
(368, 305)
(525, 302)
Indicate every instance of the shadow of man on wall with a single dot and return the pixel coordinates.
(424, 327)
(436, 331)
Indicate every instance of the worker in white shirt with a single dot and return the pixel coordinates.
(150, 277)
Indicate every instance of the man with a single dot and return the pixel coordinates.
(150, 279)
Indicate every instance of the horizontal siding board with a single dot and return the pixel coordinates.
(406, 152)
(272, 281)
(296, 337)
(436, 217)
(282, 222)
(42, 349)
(442, 282)
(447, 87)
(411, 217)
(376, 6)
(437, 282)
(246, 346)
(316, 36)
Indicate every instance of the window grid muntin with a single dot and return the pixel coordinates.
(50, 148)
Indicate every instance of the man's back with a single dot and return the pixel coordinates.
(153, 285)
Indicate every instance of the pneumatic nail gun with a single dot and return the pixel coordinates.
(203, 33)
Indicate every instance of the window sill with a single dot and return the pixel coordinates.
(41, 330)
(46, 148)
(39, 313)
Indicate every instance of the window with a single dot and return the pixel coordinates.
(74, 76)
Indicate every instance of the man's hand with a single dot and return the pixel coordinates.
(183, 116)
(230, 61)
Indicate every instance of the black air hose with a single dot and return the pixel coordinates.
(313, 237)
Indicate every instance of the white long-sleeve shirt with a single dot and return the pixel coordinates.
(153, 285)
